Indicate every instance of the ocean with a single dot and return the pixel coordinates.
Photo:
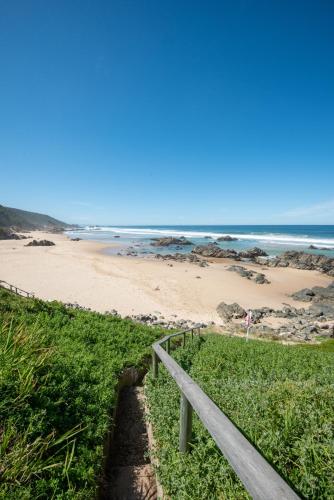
(273, 239)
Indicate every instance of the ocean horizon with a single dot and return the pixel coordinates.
(274, 239)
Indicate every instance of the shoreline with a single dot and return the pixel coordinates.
(80, 272)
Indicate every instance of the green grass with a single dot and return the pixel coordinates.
(58, 374)
(281, 397)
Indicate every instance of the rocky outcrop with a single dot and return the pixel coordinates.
(165, 242)
(304, 295)
(303, 260)
(40, 243)
(7, 234)
(301, 323)
(226, 238)
(313, 247)
(76, 239)
(259, 278)
(315, 294)
(253, 253)
(214, 250)
(183, 257)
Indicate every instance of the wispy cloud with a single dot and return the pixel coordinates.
(318, 210)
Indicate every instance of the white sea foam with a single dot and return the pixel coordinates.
(270, 238)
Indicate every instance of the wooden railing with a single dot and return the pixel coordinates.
(259, 478)
(16, 289)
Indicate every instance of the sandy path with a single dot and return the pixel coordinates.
(80, 272)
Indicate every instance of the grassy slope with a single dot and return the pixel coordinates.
(10, 217)
(58, 373)
(280, 396)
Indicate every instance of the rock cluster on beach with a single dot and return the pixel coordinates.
(169, 241)
(290, 258)
(183, 257)
(7, 234)
(302, 260)
(259, 278)
(214, 250)
(40, 243)
(301, 324)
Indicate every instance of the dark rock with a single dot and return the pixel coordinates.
(182, 257)
(316, 294)
(303, 260)
(6, 234)
(213, 250)
(261, 279)
(313, 247)
(253, 253)
(226, 238)
(245, 273)
(325, 309)
(242, 271)
(304, 295)
(76, 239)
(40, 243)
(230, 311)
(116, 236)
(165, 242)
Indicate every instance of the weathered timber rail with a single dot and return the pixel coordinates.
(16, 289)
(258, 477)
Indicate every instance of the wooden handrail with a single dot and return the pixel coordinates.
(16, 289)
(259, 478)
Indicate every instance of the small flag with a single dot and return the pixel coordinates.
(249, 318)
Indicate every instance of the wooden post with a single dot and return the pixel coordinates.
(185, 424)
(192, 334)
(155, 365)
(184, 339)
(168, 346)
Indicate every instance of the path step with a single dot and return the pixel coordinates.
(131, 475)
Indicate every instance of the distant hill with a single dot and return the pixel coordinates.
(21, 219)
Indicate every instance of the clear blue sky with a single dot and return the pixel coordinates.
(174, 111)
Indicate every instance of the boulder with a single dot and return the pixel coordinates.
(252, 253)
(40, 243)
(242, 271)
(261, 279)
(323, 309)
(304, 295)
(230, 311)
(226, 238)
(165, 242)
(6, 234)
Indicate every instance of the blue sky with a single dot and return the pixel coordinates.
(168, 112)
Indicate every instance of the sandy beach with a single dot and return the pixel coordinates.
(79, 271)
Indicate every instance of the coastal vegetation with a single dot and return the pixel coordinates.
(280, 396)
(59, 369)
(24, 220)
